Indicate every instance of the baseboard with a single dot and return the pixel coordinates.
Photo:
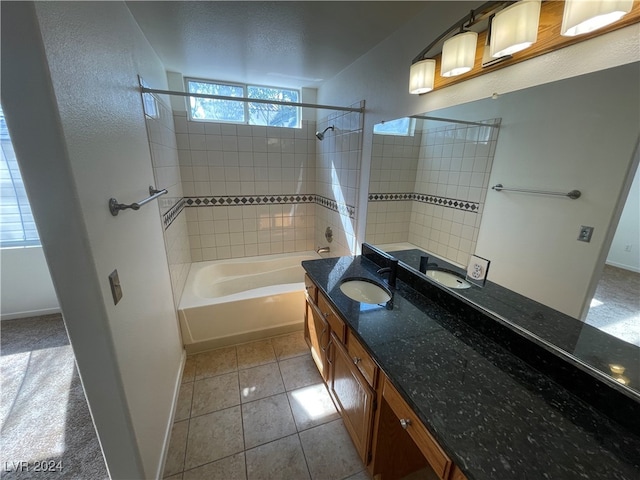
(32, 313)
(167, 434)
(623, 266)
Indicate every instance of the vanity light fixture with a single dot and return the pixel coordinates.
(584, 16)
(505, 28)
(422, 76)
(515, 28)
(458, 54)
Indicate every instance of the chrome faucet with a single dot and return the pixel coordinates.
(323, 250)
(392, 270)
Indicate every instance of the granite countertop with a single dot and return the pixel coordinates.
(494, 415)
(583, 342)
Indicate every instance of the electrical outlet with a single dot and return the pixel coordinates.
(627, 248)
(116, 288)
(585, 233)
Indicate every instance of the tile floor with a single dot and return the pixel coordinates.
(258, 411)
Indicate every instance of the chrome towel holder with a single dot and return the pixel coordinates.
(115, 207)
(573, 194)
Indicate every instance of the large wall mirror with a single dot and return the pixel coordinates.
(431, 187)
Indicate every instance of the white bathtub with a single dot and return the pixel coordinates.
(225, 302)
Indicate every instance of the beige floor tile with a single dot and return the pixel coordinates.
(214, 436)
(330, 460)
(215, 362)
(215, 393)
(312, 406)
(177, 447)
(291, 345)
(189, 372)
(230, 468)
(266, 420)
(278, 460)
(299, 372)
(174, 477)
(260, 382)
(255, 353)
(183, 407)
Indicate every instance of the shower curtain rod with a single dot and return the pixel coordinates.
(251, 100)
(439, 119)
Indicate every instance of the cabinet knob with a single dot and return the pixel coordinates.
(326, 314)
(357, 360)
(405, 422)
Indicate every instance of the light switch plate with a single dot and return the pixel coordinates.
(585, 233)
(116, 288)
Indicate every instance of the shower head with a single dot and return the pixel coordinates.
(320, 135)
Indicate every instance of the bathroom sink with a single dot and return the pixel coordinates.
(365, 291)
(448, 279)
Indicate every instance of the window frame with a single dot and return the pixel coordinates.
(409, 132)
(245, 94)
(22, 204)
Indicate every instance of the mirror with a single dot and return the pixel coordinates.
(430, 187)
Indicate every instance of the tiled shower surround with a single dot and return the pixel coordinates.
(337, 179)
(240, 190)
(249, 190)
(429, 188)
(166, 172)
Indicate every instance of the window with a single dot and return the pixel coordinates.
(251, 113)
(17, 227)
(401, 126)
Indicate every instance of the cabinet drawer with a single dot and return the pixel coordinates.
(361, 359)
(311, 289)
(438, 460)
(335, 322)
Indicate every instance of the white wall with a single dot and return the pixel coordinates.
(628, 232)
(572, 134)
(26, 289)
(380, 77)
(80, 62)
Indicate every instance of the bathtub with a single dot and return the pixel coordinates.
(225, 302)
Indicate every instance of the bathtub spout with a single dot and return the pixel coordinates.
(323, 250)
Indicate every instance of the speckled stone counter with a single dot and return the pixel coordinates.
(586, 345)
(494, 415)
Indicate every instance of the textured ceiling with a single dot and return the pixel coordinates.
(284, 43)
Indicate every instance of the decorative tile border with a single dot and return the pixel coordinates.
(239, 201)
(170, 215)
(465, 205)
(341, 208)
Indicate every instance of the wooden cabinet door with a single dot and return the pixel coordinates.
(353, 396)
(317, 335)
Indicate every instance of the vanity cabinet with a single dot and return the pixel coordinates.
(316, 330)
(321, 323)
(388, 436)
(416, 434)
(353, 396)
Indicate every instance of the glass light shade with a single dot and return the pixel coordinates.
(584, 16)
(458, 54)
(515, 28)
(422, 76)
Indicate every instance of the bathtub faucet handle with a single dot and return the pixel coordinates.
(323, 250)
